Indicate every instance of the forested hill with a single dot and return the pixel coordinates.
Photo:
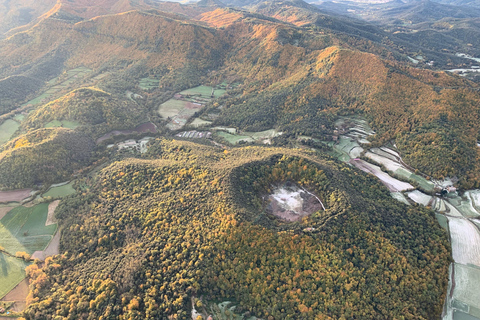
(151, 233)
(156, 228)
(294, 78)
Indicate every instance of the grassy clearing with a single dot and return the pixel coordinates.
(423, 183)
(72, 76)
(199, 122)
(263, 134)
(442, 221)
(400, 197)
(40, 99)
(19, 117)
(7, 129)
(148, 83)
(23, 229)
(204, 91)
(171, 108)
(233, 139)
(62, 123)
(12, 272)
(60, 191)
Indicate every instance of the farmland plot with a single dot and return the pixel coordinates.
(62, 123)
(12, 272)
(420, 197)
(465, 241)
(467, 282)
(15, 195)
(60, 190)
(7, 129)
(400, 197)
(23, 229)
(391, 183)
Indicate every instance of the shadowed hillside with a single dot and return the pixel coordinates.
(43, 156)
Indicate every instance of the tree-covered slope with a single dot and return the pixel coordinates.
(43, 156)
(150, 234)
(97, 110)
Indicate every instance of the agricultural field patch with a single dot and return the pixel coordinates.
(60, 191)
(7, 129)
(233, 138)
(15, 300)
(465, 241)
(14, 195)
(420, 197)
(348, 146)
(62, 123)
(19, 117)
(466, 296)
(60, 83)
(204, 92)
(178, 112)
(142, 128)
(400, 197)
(391, 183)
(12, 272)
(23, 229)
(442, 221)
(148, 83)
(200, 123)
(172, 108)
(40, 99)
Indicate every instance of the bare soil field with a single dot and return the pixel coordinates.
(14, 195)
(51, 210)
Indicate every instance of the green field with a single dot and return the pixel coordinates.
(199, 122)
(12, 272)
(234, 139)
(19, 117)
(23, 229)
(40, 99)
(442, 221)
(271, 133)
(72, 76)
(171, 108)
(62, 123)
(7, 129)
(204, 91)
(60, 191)
(148, 83)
